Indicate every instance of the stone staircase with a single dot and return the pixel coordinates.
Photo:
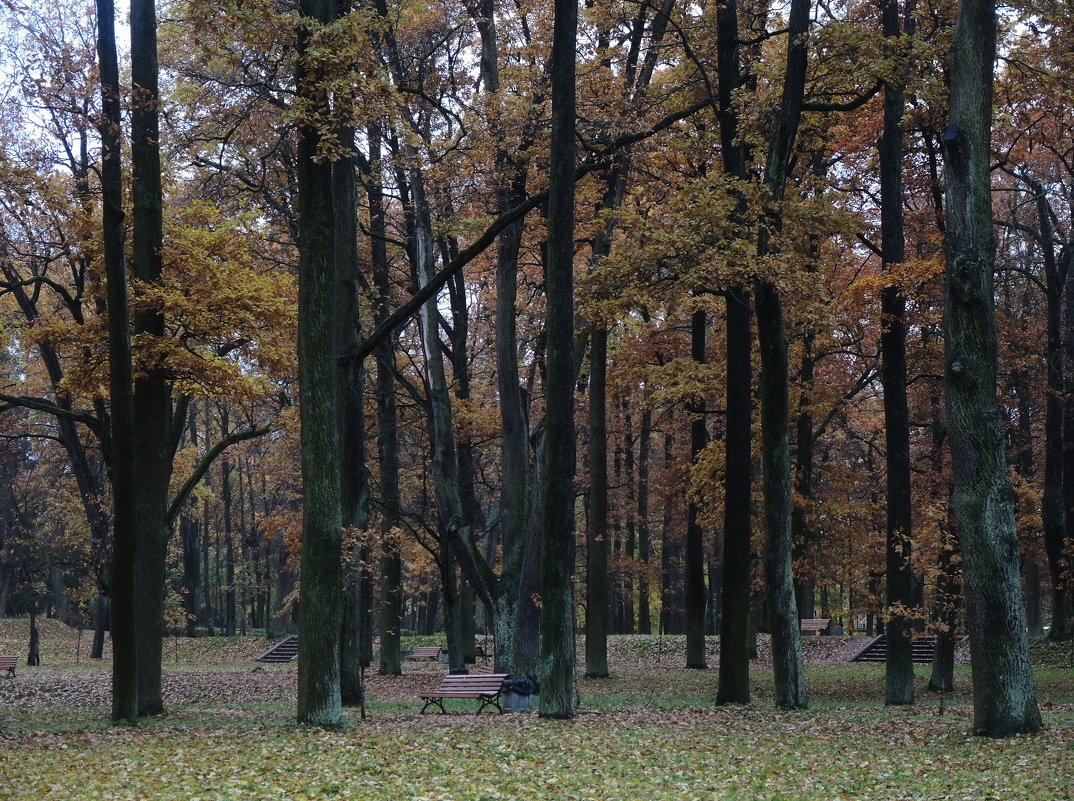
(876, 650)
(286, 650)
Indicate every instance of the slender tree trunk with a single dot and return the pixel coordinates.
(788, 665)
(1056, 539)
(901, 595)
(356, 638)
(645, 550)
(391, 564)
(735, 640)
(557, 467)
(229, 535)
(320, 601)
(1004, 700)
(695, 537)
(124, 473)
(596, 607)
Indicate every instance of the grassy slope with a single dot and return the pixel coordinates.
(648, 733)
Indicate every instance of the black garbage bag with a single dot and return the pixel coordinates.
(520, 686)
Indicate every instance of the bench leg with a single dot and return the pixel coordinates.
(491, 701)
(434, 701)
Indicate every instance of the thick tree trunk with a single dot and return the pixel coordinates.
(152, 395)
(736, 643)
(320, 601)
(557, 466)
(1004, 700)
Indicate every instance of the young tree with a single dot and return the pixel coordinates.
(982, 504)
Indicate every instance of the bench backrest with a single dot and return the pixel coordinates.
(815, 624)
(472, 682)
(426, 652)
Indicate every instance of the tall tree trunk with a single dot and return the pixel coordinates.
(557, 467)
(736, 642)
(152, 395)
(735, 639)
(124, 474)
(229, 534)
(695, 536)
(391, 564)
(788, 666)
(356, 637)
(320, 602)
(1004, 700)
(1053, 504)
(901, 595)
(645, 550)
(596, 607)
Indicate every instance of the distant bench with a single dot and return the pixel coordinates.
(431, 652)
(8, 664)
(819, 625)
(485, 686)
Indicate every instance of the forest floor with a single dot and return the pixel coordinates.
(650, 732)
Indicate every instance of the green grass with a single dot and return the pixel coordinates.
(648, 732)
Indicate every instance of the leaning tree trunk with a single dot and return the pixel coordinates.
(982, 504)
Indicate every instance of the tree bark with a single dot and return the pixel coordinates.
(982, 504)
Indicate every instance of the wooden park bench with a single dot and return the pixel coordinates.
(819, 625)
(484, 686)
(8, 663)
(430, 652)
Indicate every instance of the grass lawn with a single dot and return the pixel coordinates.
(649, 732)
